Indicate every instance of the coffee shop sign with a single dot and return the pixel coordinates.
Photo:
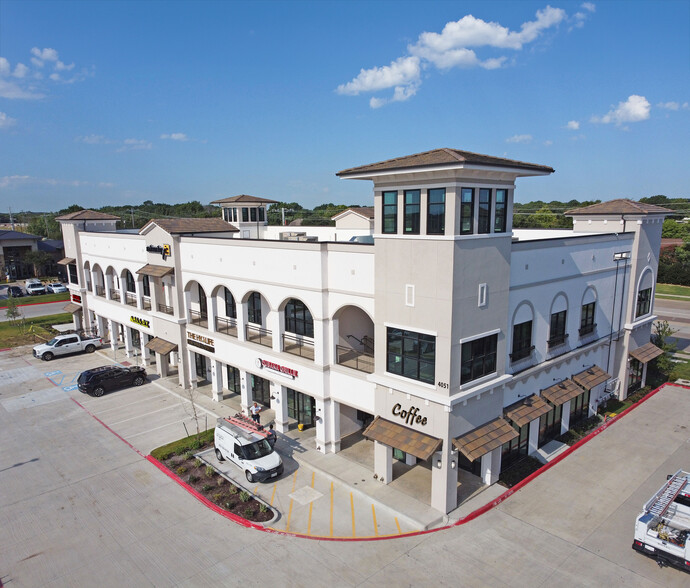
(410, 416)
(164, 250)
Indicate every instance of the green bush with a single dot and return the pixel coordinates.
(217, 496)
(181, 470)
(193, 479)
(221, 480)
(233, 489)
(262, 507)
(248, 511)
(206, 488)
(210, 471)
(182, 446)
(244, 496)
(197, 463)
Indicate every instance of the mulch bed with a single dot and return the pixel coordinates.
(209, 483)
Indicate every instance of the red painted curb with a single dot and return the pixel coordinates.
(37, 303)
(93, 416)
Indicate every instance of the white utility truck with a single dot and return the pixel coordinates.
(662, 531)
(245, 443)
(66, 344)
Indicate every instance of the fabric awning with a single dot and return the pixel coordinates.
(71, 307)
(155, 271)
(161, 346)
(591, 377)
(408, 440)
(67, 260)
(646, 353)
(562, 392)
(526, 410)
(485, 439)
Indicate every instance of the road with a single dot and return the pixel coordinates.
(30, 310)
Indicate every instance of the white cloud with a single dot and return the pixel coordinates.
(20, 71)
(55, 77)
(59, 66)
(548, 143)
(403, 71)
(17, 181)
(13, 91)
(589, 6)
(6, 121)
(572, 125)
(175, 137)
(93, 140)
(673, 105)
(4, 67)
(519, 139)
(134, 145)
(43, 55)
(634, 109)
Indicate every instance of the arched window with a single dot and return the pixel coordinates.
(202, 301)
(298, 318)
(254, 308)
(146, 285)
(129, 282)
(230, 307)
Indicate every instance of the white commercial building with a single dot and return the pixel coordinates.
(426, 322)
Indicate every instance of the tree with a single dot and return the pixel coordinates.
(662, 332)
(13, 313)
(544, 219)
(38, 259)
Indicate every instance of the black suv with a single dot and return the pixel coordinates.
(109, 377)
(14, 292)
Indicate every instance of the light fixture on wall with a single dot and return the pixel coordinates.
(452, 465)
(438, 463)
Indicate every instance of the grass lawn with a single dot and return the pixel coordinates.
(672, 290)
(39, 298)
(36, 330)
(681, 371)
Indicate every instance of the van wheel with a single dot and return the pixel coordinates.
(98, 392)
(219, 455)
(250, 476)
(90, 348)
(47, 356)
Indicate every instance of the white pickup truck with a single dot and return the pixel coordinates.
(66, 344)
(662, 530)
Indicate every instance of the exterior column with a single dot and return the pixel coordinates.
(321, 430)
(246, 392)
(320, 341)
(145, 353)
(565, 419)
(139, 292)
(108, 285)
(94, 281)
(192, 370)
(113, 333)
(491, 466)
(333, 417)
(216, 380)
(102, 326)
(76, 318)
(162, 362)
(212, 306)
(444, 480)
(533, 439)
(383, 462)
(643, 382)
(129, 349)
(273, 325)
(279, 405)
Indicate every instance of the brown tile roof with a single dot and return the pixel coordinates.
(191, 225)
(87, 215)
(646, 353)
(244, 199)
(408, 440)
(161, 346)
(71, 307)
(526, 410)
(443, 157)
(485, 438)
(365, 211)
(155, 271)
(591, 377)
(619, 206)
(562, 392)
(66, 260)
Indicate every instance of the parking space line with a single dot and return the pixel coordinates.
(398, 524)
(156, 428)
(352, 508)
(373, 514)
(311, 504)
(294, 481)
(145, 414)
(120, 406)
(273, 495)
(331, 509)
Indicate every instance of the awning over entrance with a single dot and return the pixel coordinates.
(71, 307)
(485, 439)
(155, 271)
(646, 353)
(526, 410)
(408, 440)
(67, 260)
(591, 377)
(161, 346)
(562, 392)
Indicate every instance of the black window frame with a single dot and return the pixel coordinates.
(254, 309)
(501, 211)
(484, 212)
(587, 315)
(557, 328)
(73, 276)
(411, 355)
(522, 341)
(550, 424)
(234, 381)
(262, 214)
(146, 285)
(412, 211)
(230, 304)
(252, 214)
(261, 390)
(466, 211)
(298, 319)
(644, 302)
(130, 285)
(245, 214)
(514, 450)
(478, 358)
(436, 211)
(579, 408)
(389, 212)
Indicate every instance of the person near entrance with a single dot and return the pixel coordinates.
(271, 436)
(255, 409)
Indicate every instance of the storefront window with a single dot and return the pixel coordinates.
(579, 408)
(261, 390)
(635, 378)
(515, 449)
(233, 379)
(550, 425)
(301, 407)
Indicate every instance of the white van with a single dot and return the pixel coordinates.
(246, 445)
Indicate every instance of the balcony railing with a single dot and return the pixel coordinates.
(519, 354)
(226, 325)
(130, 299)
(358, 360)
(100, 291)
(587, 329)
(146, 303)
(164, 308)
(298, 345)
(256, 334)
(198, 318)
(557, 340)
(114, 294)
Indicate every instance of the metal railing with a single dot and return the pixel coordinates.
(256, 334)
(130, 299)
(114, 294)
(198, 318)
(297, 345)
(557, 340)
(164, 308)
(100, 291)
(358, 360)
(587, 329)
(146, 303)
(519, 354)
(226, 325)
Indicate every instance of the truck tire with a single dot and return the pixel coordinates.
(249, 476)
(219, 455)
(98, 391)
(90, 348)
(138, 381)
(47, 356)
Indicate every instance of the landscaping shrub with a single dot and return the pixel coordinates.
(206, 487)
(182, 446)
(244, 496)
(210, 471)
(181, 470)
(193, 479)
(519, 471)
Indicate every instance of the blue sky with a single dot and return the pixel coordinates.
(121, 102)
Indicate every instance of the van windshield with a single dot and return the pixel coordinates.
(257, 449)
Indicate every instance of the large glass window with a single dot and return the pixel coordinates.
(298, 319)
(234, 384)
(514, 450)
(261, 390)
(644, 300)
(557, 334)
(550, 425)
(500, 216)
(478, 358)
(301, 407)
(467, 211)
(230, 306)
(484, 224)
(635, 377)
(412, 200)
(436, 211)
(390, 212)
(129, 282)
(587, 318)
(254, 308)
(72, 271)
(252, 214)
(262, 214)
(245, 214)
(522, 341)
(146, 285)
(411, 354)
(579, 408)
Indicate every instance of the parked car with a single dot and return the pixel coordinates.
(14, 292)
(65, 344)
(102, 379)
(56, 288)
(34, 289)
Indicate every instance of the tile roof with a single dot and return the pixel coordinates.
(408, 440)
(646, 353)
(12, 235)
(485, 439)
(591, 377)
(365, 211)
(87, 215)
(66, 260)
(191, 225)
(443, 157)
(244, 198)
(71, 307)
(562, 392)
(619, 206)
(161, 346)
(155, 271)
(526, 410)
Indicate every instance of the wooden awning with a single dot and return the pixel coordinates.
(408, 440)
(161, 346)
(526, 410)
(562, 392)
(591, 377)
(646, 353)
(155, 271)
(71, 307)
(67, 260)
(485, 439)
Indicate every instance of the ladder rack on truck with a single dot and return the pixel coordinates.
(246, 425)
(666, 495)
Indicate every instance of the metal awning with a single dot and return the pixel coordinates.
(591, 377)
(646, 353)
(155, 271)
(485, 439)
(408, 440)
(67, 260)
(526, 410)
(71, 307)
(562, 392)
(161, 346)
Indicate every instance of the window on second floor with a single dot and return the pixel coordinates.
(412, 212)
(252, 214)
(436, 211)
(230, 306)
(522, 341)
(129, 282)
(557, 334)
(587, 318)
(467, 211)
(501, 212)
(146, 285)
(410, 354)
(484, 224)
(478, 358)
(644, 301)
(390, 212)
(298, 319)
(72, 271)
(245, 214)
(254, 308)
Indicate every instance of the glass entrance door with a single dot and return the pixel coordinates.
(200, 362)
(301, 407)
(261, 390)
